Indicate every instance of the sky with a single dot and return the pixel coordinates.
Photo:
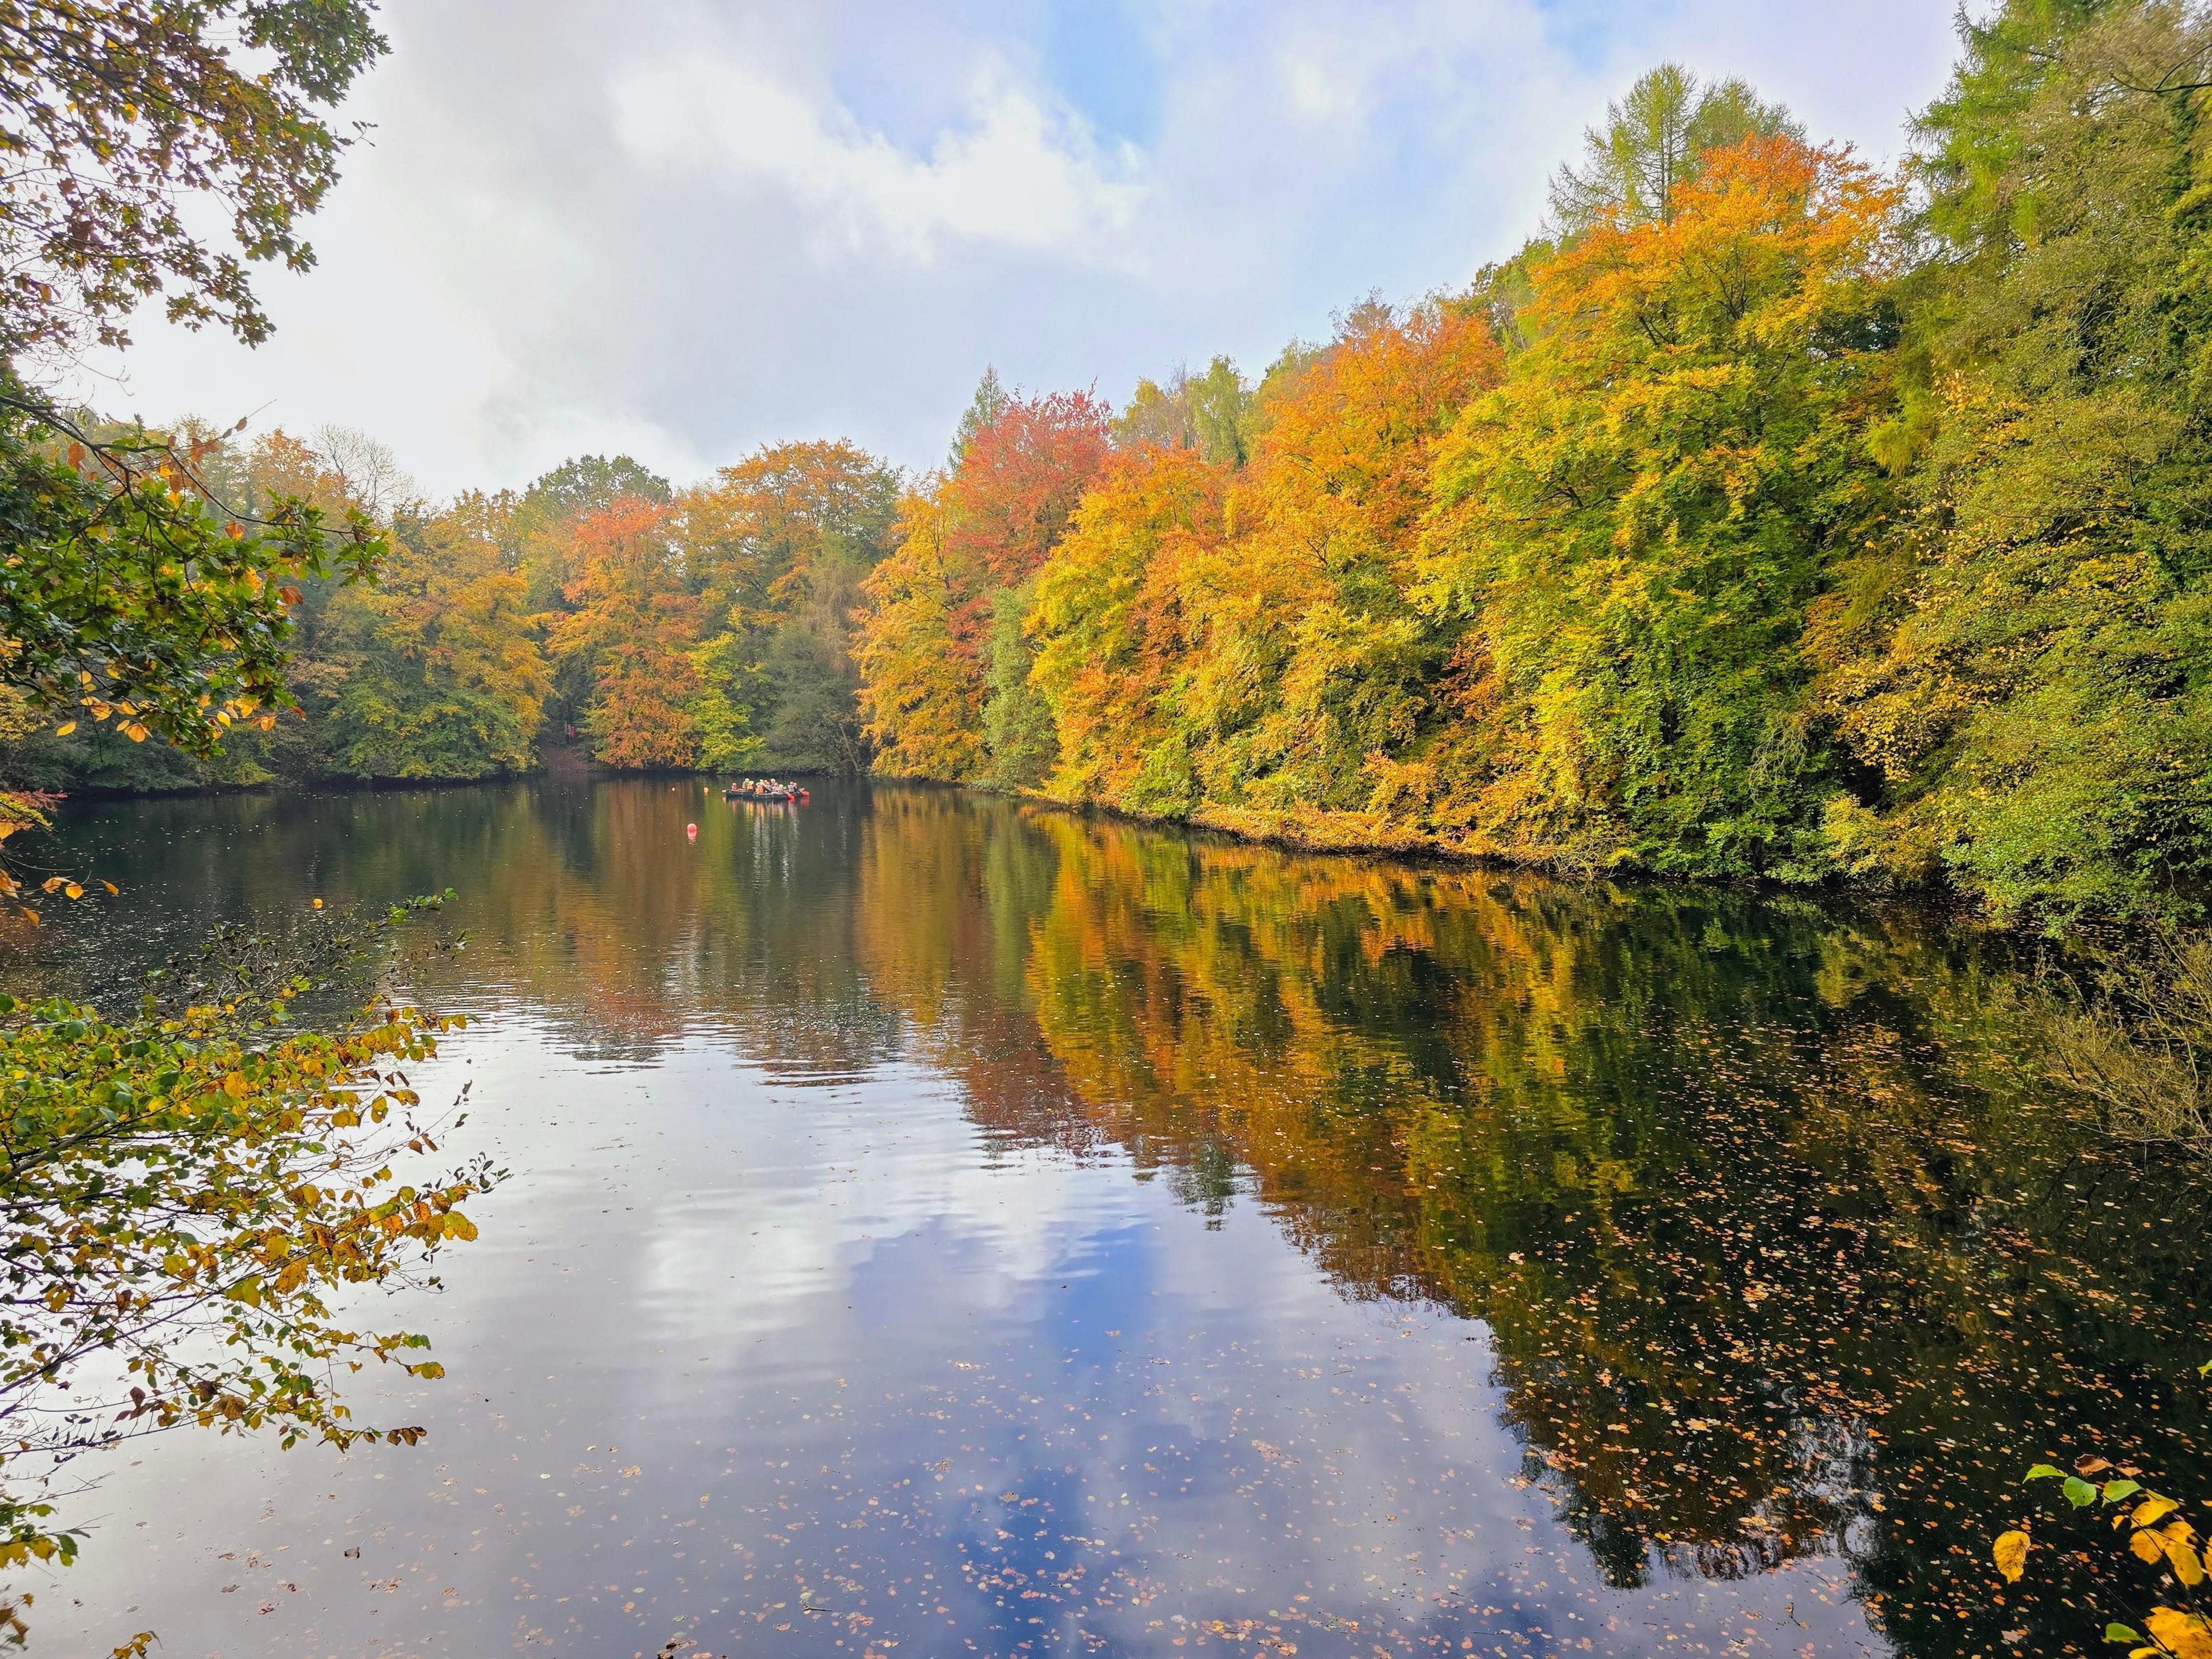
(683, 229)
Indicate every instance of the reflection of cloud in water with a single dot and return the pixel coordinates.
(821, 1181)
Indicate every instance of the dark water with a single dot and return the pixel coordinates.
(941, 1228)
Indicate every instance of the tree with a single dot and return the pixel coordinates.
(118, 116)
(1220, 414)
(1633, 525)
(779, 546)
(922, 693)
(127, 592)
(986, 527)
(446, 677)
(633, 633)
(1111, 640)
(1018, 732)
(1158, 415)
(983, 410)
(2023, 670)
(1655, 141)
(548, 511)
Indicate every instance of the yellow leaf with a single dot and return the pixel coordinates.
(2154, 1510)
(64, 728)
(2011, 1553)
(2147, 1546)
(2185, 1634)
(114, 891)
(2183, 1560)
(73, 890)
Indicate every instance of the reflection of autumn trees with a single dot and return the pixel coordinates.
(1777, 1254)
(952, 889)
(1782, 1254)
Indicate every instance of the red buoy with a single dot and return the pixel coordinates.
(691, 830)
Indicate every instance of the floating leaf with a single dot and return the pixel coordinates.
(2011, 1553)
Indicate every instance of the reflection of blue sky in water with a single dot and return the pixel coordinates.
(730, 1347)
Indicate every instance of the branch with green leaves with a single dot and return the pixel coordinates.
(187, 1193)
(2178, 1624)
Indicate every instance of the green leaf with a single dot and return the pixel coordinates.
(2080, 1492)
(2121, 1634)
(2046, 1472)
(2116, 1490)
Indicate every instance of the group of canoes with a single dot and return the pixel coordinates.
(766, 789)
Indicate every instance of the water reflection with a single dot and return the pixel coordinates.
(1003, 1230)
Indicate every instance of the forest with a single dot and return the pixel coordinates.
(1769, 515)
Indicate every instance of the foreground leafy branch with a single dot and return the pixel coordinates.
(2178, 1624)
(187, 1193)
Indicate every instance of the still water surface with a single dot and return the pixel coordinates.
(940, 1227)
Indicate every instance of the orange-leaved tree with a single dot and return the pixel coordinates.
(1318, 689)
(635, 623)
(985, 528)
(1111, 636)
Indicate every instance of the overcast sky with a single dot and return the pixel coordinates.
(683, 230)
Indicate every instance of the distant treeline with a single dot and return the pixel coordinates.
(1769, 516)
(646, 626)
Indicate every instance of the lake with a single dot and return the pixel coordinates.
(936, 1226)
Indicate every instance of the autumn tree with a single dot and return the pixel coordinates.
(922, 697)
(1655, 141)
(1112, 638)
(779, 546)
(632, 633)
(986, 526)
(1632, 528)
(444, 675)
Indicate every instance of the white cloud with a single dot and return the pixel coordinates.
(1015, 172)
(684, 229)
